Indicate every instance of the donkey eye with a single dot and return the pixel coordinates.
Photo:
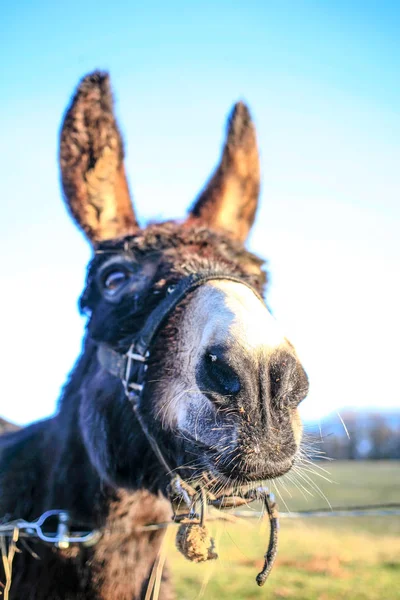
(114, 280)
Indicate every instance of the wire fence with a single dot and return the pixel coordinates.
(16, 530)
(391, 509)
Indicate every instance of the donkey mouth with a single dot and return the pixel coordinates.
(247, 473)
(232, 466)
(241, 470)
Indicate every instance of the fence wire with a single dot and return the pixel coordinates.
(391, 509)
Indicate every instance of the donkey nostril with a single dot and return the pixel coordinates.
(221, 376)
(215, 375)
(288, 381)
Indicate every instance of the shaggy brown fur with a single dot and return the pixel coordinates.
(91, 160)
(229, 200)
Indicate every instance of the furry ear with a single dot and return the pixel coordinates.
(91, 161)
(229, 200)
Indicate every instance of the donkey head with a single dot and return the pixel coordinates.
(223, 384)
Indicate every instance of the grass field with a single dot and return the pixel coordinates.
(354, 558)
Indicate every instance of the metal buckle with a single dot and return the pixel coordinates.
(132, 357)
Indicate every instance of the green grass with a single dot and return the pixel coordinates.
(355, 558)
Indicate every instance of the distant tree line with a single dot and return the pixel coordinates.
(371, 435)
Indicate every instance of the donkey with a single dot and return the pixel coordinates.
(183, 368)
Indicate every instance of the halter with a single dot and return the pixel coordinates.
(130, 367)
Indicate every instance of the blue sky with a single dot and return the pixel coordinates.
(321, 79)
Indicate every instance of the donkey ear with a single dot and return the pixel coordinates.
(91, 160)
(229, 200)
